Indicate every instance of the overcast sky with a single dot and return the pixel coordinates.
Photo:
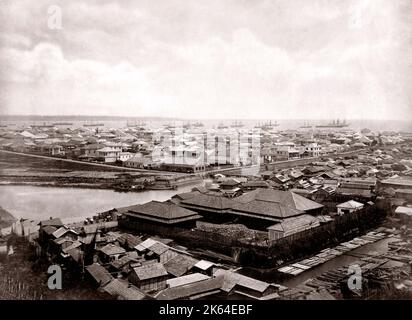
(244, 59)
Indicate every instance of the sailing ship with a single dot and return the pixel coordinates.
(187, 125)
(269, 125)
(222, 126)
(334, 124)
(198, 125)
(306, 125)
(237, 124)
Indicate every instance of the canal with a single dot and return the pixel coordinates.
(272, 276)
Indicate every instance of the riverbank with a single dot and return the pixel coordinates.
(18, 169)
(93, 165)
(21, 170)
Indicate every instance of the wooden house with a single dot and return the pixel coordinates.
(111, 252)
(150, 277)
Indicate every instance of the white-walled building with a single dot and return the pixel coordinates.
(349, 207)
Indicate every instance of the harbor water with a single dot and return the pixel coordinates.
(69, 204)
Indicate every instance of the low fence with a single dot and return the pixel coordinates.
(258, 252)
(10, 289)
(299, 245)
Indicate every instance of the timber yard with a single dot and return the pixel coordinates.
(256, 212)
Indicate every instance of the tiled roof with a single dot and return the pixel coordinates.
(159, 248)
(404, 210)
(162, 210)
(186, 195)
(354, 192)
(49, 229)
(61, 232)
(99, 273)
(303, 221)
(129, 239)
(231, 279)
(180, 264)
(123, 291)
(56, 222)
(200, 288)
(230, 182)
(266, 208)
(183, 280)
(350, 204)
(150, 271)
(120, 263)
(256, 184)
(111, 249)
(210, 202)
(74, 245)
(204, 264)
(274, 203)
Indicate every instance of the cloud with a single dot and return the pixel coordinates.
(242, 59)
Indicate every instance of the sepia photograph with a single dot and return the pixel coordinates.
(224, 151)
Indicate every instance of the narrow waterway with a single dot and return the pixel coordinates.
(348, 258)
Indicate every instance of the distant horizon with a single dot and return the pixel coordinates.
(125, 117)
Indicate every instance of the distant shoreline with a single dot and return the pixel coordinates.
(20, 117)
